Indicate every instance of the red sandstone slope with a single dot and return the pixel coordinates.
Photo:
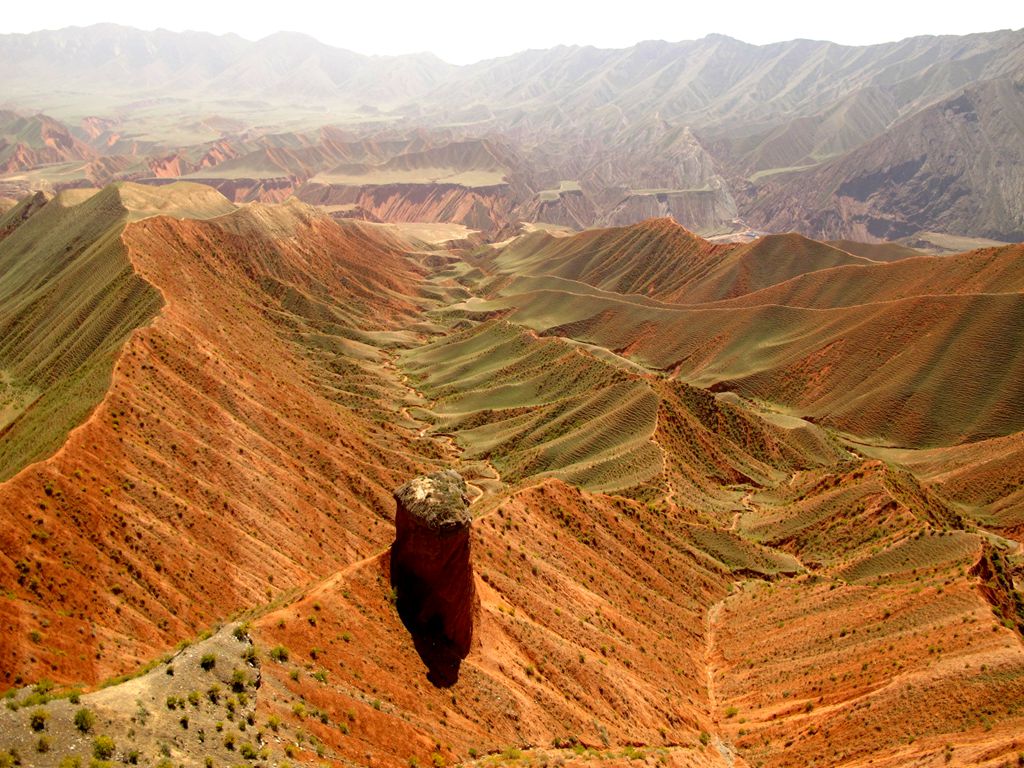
(222, 466)
(590, 633)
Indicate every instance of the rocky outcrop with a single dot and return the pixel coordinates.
(996, 583)
(430, 566)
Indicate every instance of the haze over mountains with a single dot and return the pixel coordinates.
(879, 142)
(740, 479)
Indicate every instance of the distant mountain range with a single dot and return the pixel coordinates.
(876, 142)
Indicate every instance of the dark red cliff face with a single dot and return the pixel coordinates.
(431, 570)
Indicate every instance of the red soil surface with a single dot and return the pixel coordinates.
(221, 468)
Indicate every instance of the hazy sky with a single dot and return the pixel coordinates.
(461, 31)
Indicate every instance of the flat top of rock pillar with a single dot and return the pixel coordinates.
(437, 500)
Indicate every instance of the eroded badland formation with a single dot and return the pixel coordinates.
(503, 419)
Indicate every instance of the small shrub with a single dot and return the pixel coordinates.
(69, 762)
(43, 745)
(208, 661)
(103, 747)
(38, 719)
(84, 720)
(279, 653)
(248, 751)
(705, 738)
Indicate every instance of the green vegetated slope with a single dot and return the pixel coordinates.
(989, 270)
(18, 213)
(538, 407)
(661, 259)
(919, 353)
(542, 407)
(851, 514)
(68, 299)
(886, 251)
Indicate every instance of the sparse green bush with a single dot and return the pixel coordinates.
(247, 751)
(43, 745)
(279, 653)
(38, 719)
(84, 720)
(103, 747)
(208, 661)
